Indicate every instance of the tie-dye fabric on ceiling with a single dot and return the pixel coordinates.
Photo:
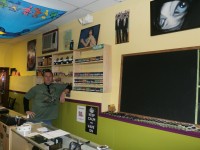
(18, 17)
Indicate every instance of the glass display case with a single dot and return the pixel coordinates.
(37, 139)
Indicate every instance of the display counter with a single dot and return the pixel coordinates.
(37, 140)
(39, 137)
(7, 122)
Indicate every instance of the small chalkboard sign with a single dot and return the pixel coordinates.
(91, 119)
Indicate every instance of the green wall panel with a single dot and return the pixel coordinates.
(19, 107)
(118, 135)
(124, 136)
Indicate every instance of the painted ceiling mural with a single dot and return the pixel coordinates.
(18, 17)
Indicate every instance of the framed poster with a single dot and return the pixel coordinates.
(122, 27)
(31, 55)
(174, 15)
(67, 39)
(89, 36)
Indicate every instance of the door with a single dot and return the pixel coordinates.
(4, 85)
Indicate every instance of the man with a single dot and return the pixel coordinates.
(45, 99)
(125, 27)
(118, 27)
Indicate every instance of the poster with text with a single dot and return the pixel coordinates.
(80, 114)
(91, 119)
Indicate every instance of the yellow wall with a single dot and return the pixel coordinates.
(5, 51)
(19, 58)
(21, 83)
(140, 41)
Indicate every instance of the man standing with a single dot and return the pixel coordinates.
(45, 99)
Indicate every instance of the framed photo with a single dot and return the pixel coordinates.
(67, 39)
(174, 15)
(89, 36)
(122, 27)
(31, 55)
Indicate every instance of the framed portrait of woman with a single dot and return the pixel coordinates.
(89, 36)
(174, 15)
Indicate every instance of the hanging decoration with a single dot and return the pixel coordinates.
(19, 17)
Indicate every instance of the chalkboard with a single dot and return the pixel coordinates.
(161, 85)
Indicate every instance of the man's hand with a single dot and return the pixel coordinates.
(30, 114)
(63, 95)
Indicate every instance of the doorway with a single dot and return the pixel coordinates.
(4, 85)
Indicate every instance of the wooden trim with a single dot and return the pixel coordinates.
(163, 51)
(20, 92)
(86, 103)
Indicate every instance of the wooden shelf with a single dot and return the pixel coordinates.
(63, 68)
(89, 70)
(49, 66)
(62, 65)
(88, 89)
(95, 64)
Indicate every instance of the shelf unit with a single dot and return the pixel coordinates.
(43, 62)
(92, 69)
(88, 69)
(62, 66)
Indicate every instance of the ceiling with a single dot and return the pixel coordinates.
(75, 9)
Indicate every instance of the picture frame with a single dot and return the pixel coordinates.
(89, 36)
(122, 27)
(169, 16)
(67, 39)
(31, 55)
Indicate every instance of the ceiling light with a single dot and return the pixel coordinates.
(86, 20)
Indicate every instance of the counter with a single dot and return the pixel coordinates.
(6, 124)
(27, 143)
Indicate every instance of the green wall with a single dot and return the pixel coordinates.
(19, 107)
(118, 135)
(124, 136)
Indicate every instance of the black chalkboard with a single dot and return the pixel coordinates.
(161, 85)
